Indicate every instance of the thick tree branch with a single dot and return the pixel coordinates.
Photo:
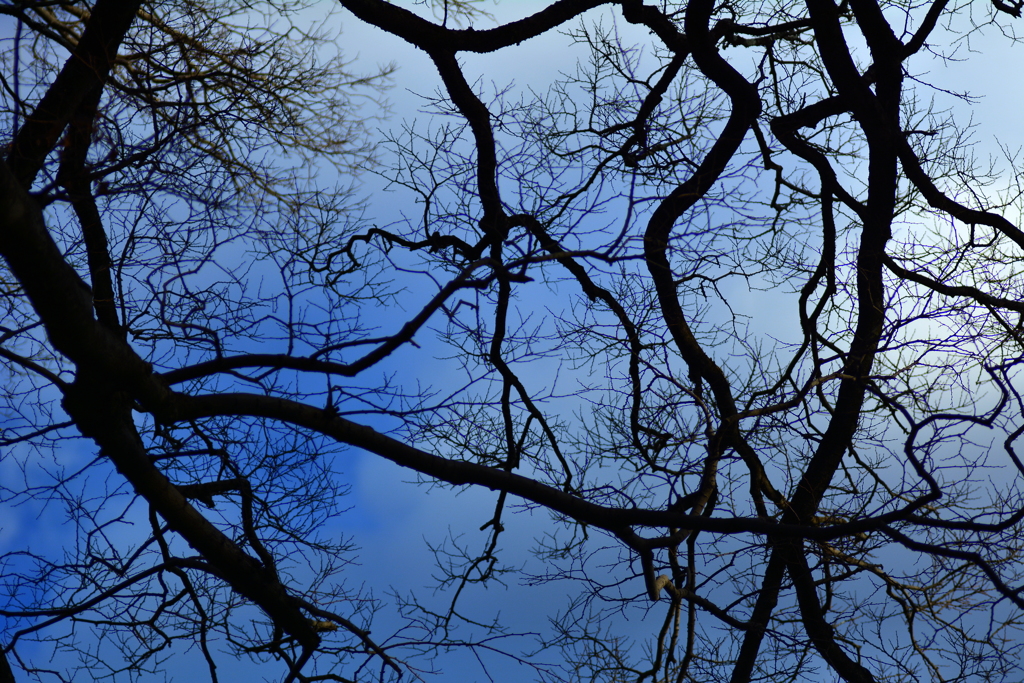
(430, 36)
(102, 414)
(84, 71)
(457, 472)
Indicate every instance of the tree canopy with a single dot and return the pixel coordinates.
(723, 303)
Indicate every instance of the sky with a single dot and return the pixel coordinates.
(531, 67)
(391, 517)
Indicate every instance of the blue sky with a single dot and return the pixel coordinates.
(393, 519)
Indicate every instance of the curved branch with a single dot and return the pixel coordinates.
(430, 36)
(312, 364)
(952, 290)
(459, 473)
